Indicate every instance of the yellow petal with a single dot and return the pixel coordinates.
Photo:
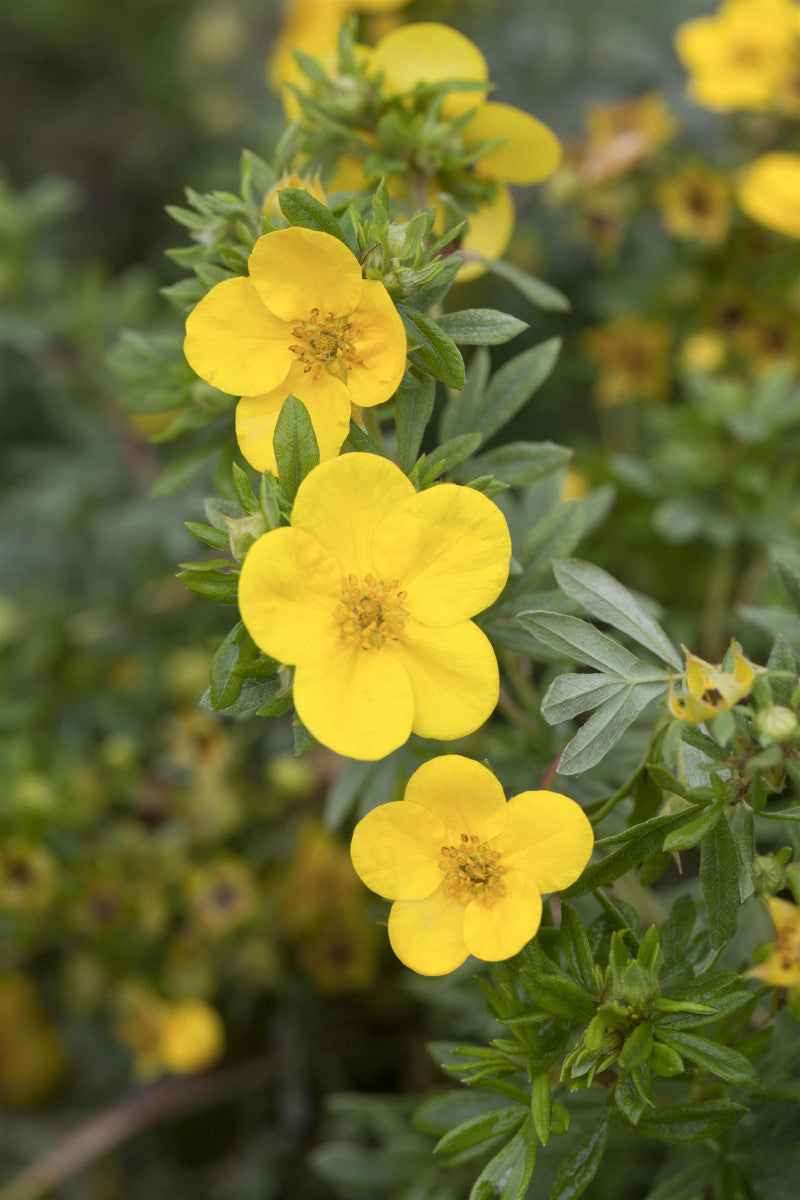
(488, 235)
(297, 270)
(357, 702)
(289, 590)
(450, 548)
(379, 341)
(396, 850)
(502, 929)
(743, 672)
(344, 502)
(235, 343)
(548, 837)
(454, 678)
(698, 675)
(463, 794)
(531, 152)
(427, 935)
(427, 52)
(785, 916)
(327, 400)
(769, 192)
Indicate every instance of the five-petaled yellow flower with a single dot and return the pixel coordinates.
(303, 323)
(369, 594)
(769, 192)
(781, 967)
(710, 689)
(526, 151)
(466, 870)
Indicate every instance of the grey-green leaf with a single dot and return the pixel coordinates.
(413, 409)
(542, 294)
(605, 727)
(480, 326)
(719, 874)
(581, 642)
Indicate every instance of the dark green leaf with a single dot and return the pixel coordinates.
(690, 1122)
(500, 1122)
(434, 351)
(413, 408)
(300, 208)
(694, 831)
(559, 997)
(719, 874)
(212, 585)
(445, 457)
(581, 1165)
(295, 445)
(720, 1060)
(480, 326)
(643, 840)
(508, 1174)
(576, 947)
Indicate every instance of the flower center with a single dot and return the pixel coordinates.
(325, 345)
(473, 871)
(369, 612)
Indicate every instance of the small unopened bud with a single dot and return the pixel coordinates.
(776, 724)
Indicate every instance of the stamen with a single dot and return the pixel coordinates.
(473, 871)
(369, 612)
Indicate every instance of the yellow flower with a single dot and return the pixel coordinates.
(223, 896)
(782, 966)
(632, 355)
(312, 26)
(696, 203)
(369, 595)
(27, 876)
(769, 192)
(191, 1037)
(318, 882)
(621, 135)
(272, 208)
(574, 485)
(742, 56)
(709, 689)
(305, 323)
(465, 869)
(704, 351)
(527, 151)
(32, 1057)
(767, 339)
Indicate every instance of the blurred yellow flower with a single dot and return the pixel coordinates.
(705, 351)
(781, 968)
(632, 355)
(312, 27)
(222, 895)
(620, 136)
(304, 322)
(191, 1037)
(696, 203)
(340, 953)
(465, 869)
(319, 880)
(709, 689)
(742, 56)
(32, 1056)
(27, 876)
(769, 192)
(767, 340)
(574, 485)
(310, 184)
(369, 594)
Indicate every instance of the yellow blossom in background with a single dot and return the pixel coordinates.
(465, 869)
(197, 742)
(781, 967)
(312, 27)
(620, 136)
(743, 56)
(768, 340)
(369, 594)
(304, 322)
(632, 355)
(574, 485)
(696, 203)
(318, 881)
(312, 185)
(709, 689)
(191, 1037)
(704, 351)
(27, 876)
(769, 192)
(340, 953)
(527, 151)
(222, 895)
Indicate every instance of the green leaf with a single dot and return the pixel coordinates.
(627, 1098)
(610, 602)
(557, 533)
(180, 471)
(581, 1165)
(690, 1122)
(295, 445)
(255, 694)
(303, 740)
(719, 874)
(576, 948)
(444, 1111)
(212, 585)
(520, 463)
(209, 535)
(720, 1060)
(230, 664)
(413, 408)
(445, 457)
(784, 814)
(570, 695)
(581, 642)
(560, 997)
(637, 1047)
(480, 326)
(500, 1122)
(244, 492)
(605, 728)
(508, 1174)
(364, 442)
(541, 1106)
(302, 209)
(641, 841)
(539, 293)
(464, 410)
(696, 830)
(788, 566)
(432, 350)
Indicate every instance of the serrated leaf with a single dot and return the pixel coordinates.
(480, 326)
(302, 209)
(719, 874)
(690, 1122)
(605, 727)
(581, 1165)
(295, 445)
(434, 350)
(607, 600)
(542, 294)
(413, 409)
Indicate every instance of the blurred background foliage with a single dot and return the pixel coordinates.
(162, 870)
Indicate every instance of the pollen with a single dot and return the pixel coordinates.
(325, 343)
(370, 611)
(473, 871)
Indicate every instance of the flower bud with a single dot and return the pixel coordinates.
(776, 724)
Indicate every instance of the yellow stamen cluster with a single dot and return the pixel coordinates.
(325, 345)
(370, 611)
(473, 871)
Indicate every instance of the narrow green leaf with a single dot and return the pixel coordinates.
(212, 585)
(303, 740)
(720, 1060)
(556, 534)
(521, 463)
(480, 326)
(570, 695)
(508, 1174)
(559, 997)
(209, 535)
(576, 947)
(641, 842)
(295, 445)
(690, 1122)
(581, 1165)
(719, 874)
(244, 492)
(581, 642)
(543, 295)
(445, 457)
(364, 442)
(180, 471)
(500, 1122)
(413, 410)
(433, 350)
(608, 601)
(541, 1106)
(464, 410)
(605, 727)
(696, 830)
(300, 208)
